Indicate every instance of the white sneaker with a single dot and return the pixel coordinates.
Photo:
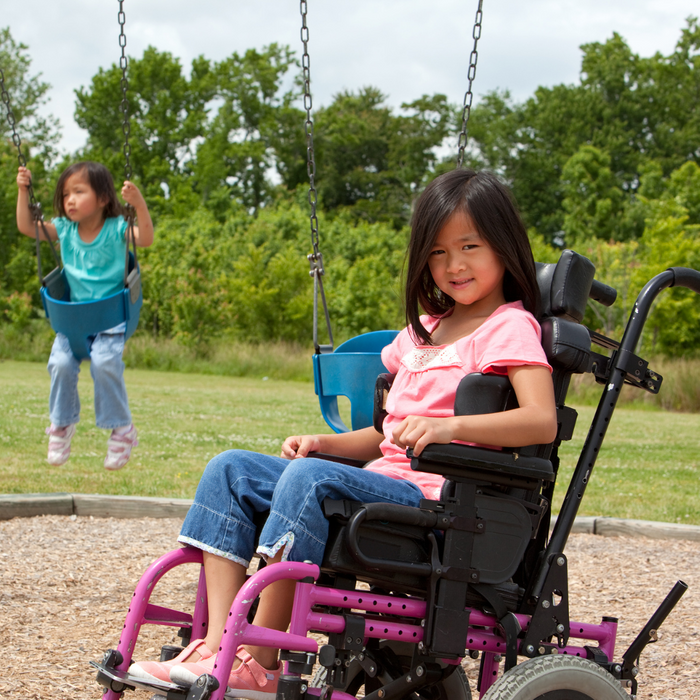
(59, 443)
(119, 448)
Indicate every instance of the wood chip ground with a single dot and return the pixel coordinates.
(66, 582)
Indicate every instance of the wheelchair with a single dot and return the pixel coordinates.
(405, 594)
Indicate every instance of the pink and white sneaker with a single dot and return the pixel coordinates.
(119, 447)
(59, 443)
(250, 680)
(160, 670)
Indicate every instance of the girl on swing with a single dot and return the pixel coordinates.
(470, 268)
(92, 233)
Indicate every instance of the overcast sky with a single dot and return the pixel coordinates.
(406, 48)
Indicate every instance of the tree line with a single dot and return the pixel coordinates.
(607, 166)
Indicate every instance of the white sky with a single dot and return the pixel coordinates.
(406, 48)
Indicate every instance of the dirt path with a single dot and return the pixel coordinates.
(66, 582)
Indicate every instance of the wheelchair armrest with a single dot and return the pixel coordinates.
(478, 394)
(351, 462)
(455, 461)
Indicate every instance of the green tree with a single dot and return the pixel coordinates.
(670, 239)
(233, 160)
(372, 160)
(592, 200)
(167, 114)
(39, 134)
(633, 109)
(27, 95)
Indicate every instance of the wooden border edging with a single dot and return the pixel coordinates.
(27, 505)
(619, 527)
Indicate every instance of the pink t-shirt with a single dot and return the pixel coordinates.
(427, 377)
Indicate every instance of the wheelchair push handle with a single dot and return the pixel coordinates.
(686, 277)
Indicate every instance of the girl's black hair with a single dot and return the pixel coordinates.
(490, 206)
(99, 178)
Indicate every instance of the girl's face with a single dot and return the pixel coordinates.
(465, 267)
(79, 199)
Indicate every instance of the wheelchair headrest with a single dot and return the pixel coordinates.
(565, 286)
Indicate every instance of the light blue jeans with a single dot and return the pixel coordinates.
(238, 484)
(107, 369)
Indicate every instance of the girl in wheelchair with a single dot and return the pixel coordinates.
(471, 270)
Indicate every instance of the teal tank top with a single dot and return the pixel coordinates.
(93, 270)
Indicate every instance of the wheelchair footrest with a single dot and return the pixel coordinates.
(118, 681)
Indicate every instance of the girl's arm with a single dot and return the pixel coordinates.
(534, 422)
(143, 233)
(25, 220)
(359, 444)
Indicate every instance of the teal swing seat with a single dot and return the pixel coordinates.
(81, 321)
(351, 370)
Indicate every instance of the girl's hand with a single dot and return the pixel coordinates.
(132, 194)
(24, 178)
(298, 446)
(419, 431)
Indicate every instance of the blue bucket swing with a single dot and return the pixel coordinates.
(351, 370)
(81, 321)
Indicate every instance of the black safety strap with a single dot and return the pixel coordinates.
(507, 620)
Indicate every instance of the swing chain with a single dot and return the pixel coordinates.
(129, 211)
(309, 128)
(315, 259)
(468, 97)
(34, 206)
(126, 127)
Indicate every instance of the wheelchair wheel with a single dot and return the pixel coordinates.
(556, 678)
(394, 660)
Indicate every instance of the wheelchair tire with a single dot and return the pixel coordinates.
(395, 658)
(556, 678)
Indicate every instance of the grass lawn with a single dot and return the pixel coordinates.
(648, 468)
(183, 421)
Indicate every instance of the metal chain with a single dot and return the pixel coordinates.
(309, 126)
(468, 97)
(316, 258)
(33, 204)
(126, 127)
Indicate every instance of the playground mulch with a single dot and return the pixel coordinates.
(66, 583)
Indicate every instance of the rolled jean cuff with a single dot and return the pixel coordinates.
(286, 541)
(213, 550)
(218, 533)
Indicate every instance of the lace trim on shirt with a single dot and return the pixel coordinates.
(422, 358)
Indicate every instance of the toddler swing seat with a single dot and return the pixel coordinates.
(81, 321)
(351, 370)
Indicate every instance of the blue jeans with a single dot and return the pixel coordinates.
(237, 484)
(107, 369)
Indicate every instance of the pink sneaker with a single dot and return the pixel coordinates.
(250, 680)
(119, 448)
(160, 670)
(59, 443)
